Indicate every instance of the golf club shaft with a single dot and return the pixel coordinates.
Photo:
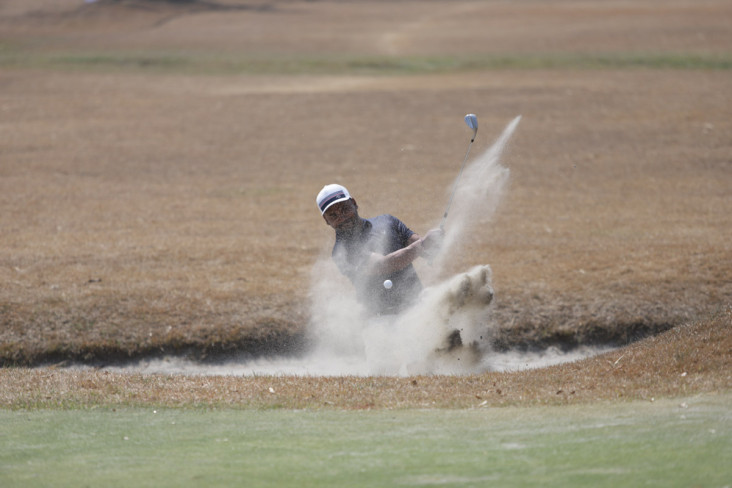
(454, 186)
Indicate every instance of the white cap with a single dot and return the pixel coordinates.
(331, 194)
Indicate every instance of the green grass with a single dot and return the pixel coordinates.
(682, 442)
(201, 63)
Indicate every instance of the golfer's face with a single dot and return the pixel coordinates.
(342, 215)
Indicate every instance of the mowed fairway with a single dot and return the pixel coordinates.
(680, 442)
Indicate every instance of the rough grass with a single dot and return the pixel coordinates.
(132, 232)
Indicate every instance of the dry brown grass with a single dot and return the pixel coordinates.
(131, 231)
(148, 212)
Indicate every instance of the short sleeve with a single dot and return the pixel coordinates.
(402, 231)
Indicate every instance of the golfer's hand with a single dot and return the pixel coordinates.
(432, 242)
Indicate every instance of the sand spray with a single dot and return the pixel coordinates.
(420, 340)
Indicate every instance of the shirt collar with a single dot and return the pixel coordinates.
(365, 229)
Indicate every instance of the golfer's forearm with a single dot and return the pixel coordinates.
(397, 260)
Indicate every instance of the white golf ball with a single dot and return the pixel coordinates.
(388, 284)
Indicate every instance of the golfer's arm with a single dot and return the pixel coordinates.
(400, 259)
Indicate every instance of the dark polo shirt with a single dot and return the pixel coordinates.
(382, 235)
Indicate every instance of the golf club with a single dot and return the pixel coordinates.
(471, 120)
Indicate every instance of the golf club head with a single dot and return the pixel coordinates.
(471, 120)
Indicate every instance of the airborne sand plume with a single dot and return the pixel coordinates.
(424, 339)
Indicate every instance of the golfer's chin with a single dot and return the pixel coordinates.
(347, 227)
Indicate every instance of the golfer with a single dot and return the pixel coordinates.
(371, 251)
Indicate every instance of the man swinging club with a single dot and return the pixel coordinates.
(371, 251)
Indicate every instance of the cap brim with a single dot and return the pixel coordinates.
(330, 204)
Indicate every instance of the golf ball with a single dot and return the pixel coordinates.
(388, 284)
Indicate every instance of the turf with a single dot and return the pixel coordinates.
(671, 442)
